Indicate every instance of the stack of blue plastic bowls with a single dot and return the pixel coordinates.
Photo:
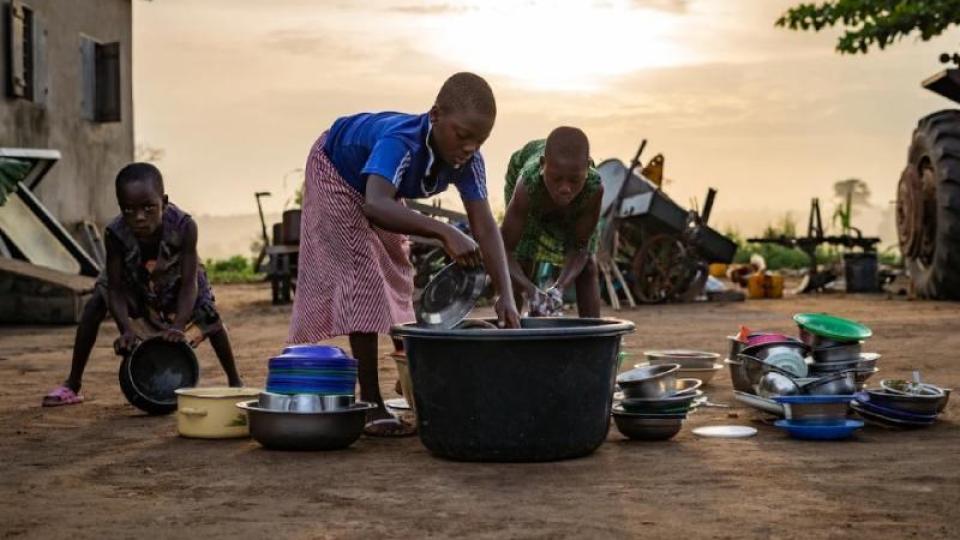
(312, 369)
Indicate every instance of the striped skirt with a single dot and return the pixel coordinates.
(352, 276)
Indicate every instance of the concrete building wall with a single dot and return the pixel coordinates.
(80, 186)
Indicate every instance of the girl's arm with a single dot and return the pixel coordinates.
(584, 228)
(187, 297)
(117, 297)
(491, 245)
(512, 230)
(383, 210)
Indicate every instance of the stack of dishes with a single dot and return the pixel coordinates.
(309, 401)
(899, 404)
(693, 364)
(312, 369)
(836, 345)
(817, 417)
(654, 402)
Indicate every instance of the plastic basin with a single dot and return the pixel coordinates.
(539, 393)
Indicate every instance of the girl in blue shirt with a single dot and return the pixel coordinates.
(355, 275)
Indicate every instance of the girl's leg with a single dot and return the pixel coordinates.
(363, 346)
(221, 345)
(94, 312)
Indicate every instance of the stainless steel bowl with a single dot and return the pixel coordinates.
(838, 353)
(826, 368)
(776, 384)
(686, 359)
(815, 341)
(638, 428)
(942, 404)
(738, 377)
(816, 412)
(649, 381)
(754, 369)
(836, 384)
(862, 375)
(276, 402)
(736, 346)
(899, 386)
(288, 430)
(687, 387)
(911, 404)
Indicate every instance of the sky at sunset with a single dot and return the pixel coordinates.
(236, 91)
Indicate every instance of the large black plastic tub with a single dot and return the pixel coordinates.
(539, 393)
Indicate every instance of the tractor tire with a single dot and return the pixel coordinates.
(928, 207)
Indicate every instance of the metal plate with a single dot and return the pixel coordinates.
(450, 296)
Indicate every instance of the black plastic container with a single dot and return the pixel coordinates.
(540, 393)
(151, 374)
(861, 272)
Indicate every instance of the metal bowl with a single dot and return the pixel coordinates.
(288, 430)
(736, 346)
(687, 387)
(738, 377)
(786, 355)
(816, 409)
(776, 384)
(274, 401)
(649, 381)
(942, 404)
(838, 353)
(638, 428)
(899, 386)
(754, 369)
(836, 384)
(927, 404)
(826, 368)
(684, 358)
(816, 342)
(862, 375)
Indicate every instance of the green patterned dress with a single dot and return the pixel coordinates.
(547, 236)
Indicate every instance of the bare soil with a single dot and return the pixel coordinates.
(103, 470)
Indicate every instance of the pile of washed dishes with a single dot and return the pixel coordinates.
(693, 364)
(653, 403)
(826, 359)
(309, 401)
(900, 404)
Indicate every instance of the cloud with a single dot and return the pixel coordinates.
(429, 9)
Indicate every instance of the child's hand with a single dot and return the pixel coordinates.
(126, 343)
(174, 334)
(507, 312)
(461, 248)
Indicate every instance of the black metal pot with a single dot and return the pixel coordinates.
(539, 393)
(151, 374)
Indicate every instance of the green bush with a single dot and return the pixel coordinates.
(236, 269)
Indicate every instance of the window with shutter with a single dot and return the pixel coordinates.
(100, 92)
(108, 82)
(20, 46)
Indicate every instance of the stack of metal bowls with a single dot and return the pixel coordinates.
(700, 365)
(901, 404)
(654, 402)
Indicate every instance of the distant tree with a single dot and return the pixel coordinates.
(852, 194)
(879, 23)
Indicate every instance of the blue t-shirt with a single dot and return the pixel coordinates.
(394, 146)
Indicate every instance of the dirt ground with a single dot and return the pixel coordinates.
(101, 469)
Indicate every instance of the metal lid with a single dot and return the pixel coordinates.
(450, 296)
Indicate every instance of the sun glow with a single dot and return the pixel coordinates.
(566, 45)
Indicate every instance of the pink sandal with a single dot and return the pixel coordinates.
(61, 395)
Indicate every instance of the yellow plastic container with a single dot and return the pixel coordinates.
(764, 285)
(211, 413)
(718, 270)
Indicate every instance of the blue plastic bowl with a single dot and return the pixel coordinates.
(307, 362)
(315, 351)
(895, 414)
(818, 399)
(820, 432)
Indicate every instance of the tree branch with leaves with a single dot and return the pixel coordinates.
(869, 23)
